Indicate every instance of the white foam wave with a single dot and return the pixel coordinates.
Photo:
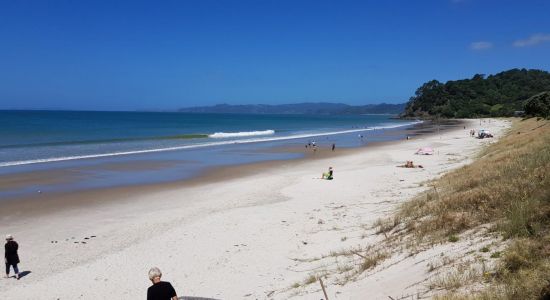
(203, 145)
(219, 135)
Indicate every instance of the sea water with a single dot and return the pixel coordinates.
(51, 140)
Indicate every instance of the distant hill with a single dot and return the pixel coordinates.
(496, 95)
(299, 108)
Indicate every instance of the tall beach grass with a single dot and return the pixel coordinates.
(508, 188)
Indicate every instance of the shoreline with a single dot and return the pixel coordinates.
(94, 173)
(240, 237)
(40, 203)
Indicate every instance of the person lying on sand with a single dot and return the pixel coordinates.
(327, 175)
(410, 164)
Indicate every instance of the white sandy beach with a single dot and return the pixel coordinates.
(239, 239)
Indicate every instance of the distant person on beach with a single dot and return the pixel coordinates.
(327, 175)
(333, 146)
(160, 290)
(410, 164)
(10, 256)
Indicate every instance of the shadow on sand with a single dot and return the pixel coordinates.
(23, 274)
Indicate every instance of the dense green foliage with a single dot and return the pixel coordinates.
(538, 105)
(496, 95)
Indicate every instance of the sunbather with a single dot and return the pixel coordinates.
(327, 175)
(410, 164)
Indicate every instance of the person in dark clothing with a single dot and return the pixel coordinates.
(333, 146)
(160, 290)
(11, 257)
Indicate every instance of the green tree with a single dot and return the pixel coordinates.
(538, 105)
(481, 96)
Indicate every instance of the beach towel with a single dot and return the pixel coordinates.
(425, 151)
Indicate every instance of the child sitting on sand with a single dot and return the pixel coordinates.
(327, 175)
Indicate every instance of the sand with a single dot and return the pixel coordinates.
(237, 238)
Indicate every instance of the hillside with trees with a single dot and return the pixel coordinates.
(492, 96)
(300, 108)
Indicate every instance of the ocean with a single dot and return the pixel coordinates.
(185, 144)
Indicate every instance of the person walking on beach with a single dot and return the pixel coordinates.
(333, 147)
(11, 257)
(160, 290)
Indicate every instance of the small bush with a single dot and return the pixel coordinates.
(372, 260)
(514, 261)
(453, 238)
(311, 279)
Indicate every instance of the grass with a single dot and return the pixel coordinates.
(372, 260)
(508, 185)
(344, 268)
(347, 264)
(453, 238)
(386, 225)
(312, 278)
(456, 279)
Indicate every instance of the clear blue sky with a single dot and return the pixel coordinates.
(126, 55)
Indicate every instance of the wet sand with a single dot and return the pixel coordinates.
(43, 203)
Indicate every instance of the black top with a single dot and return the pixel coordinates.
(161, 291)
(11, 252)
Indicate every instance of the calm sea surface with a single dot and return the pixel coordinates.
(181, 144)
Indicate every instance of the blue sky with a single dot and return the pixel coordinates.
(127, 55)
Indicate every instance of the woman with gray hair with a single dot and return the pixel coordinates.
(11, 258)
(160, 290)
